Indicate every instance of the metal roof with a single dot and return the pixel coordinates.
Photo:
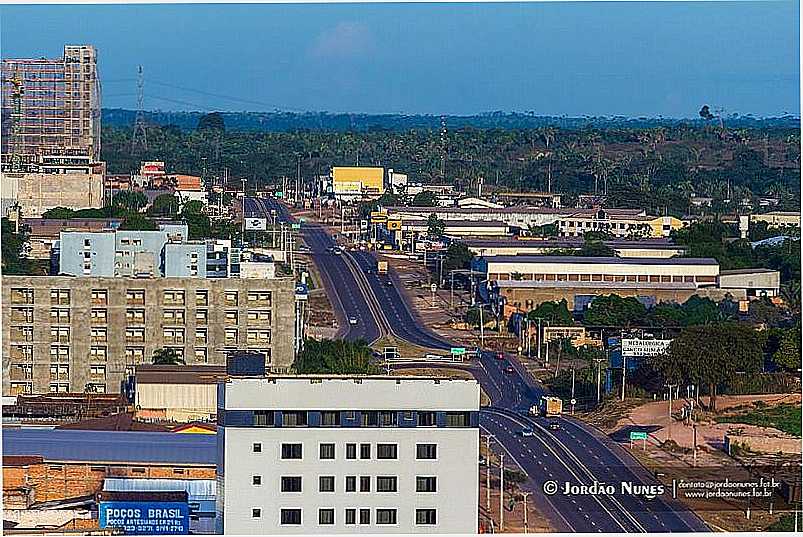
(64, 445)
(578, 260)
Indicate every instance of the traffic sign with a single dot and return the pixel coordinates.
(433, 287)
(280, 194)
(573, 401)
(458, 351)
(296, 226)
(638, 435)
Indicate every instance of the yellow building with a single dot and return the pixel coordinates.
(778, 218)
(351, 180)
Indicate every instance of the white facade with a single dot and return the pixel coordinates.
(407, 476)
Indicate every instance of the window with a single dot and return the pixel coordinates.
(257, 337)
(426, 484)
(256, 513)
(134, 354)
(387, 419)
(426, 451)
(330, 419)
(60, 297)
(173, 317)
(59, 372)
(60, 316)
(22, 315)
(365, 483)
(135, 335)
(294, 419)
(291, 451)
(97, 372)
(370, 418)
(385, 516)
(351, 517)
(230, 298)
(201, 298)
(231, 317)
(135, 316)
(135, 297)
(60, 334)
(230, 336)
(326, 516)
(326, 483)
(327, 451)
(291, 484)
(386, 451)
(458, 419)
(98, 316)
(173, 297)
(100, 297)
(291, 516)
(21, 295)
(259, 316)
(261, 298)
(98, 335)
(173, 335)
(201, 316)
(385, 483)
(365, 516)
(257, 447)
(351, 451)
(351, 483)
(201, 356)
(365, 451)
(263, 418)
(426, 419)
(256, 480)
(425, 517)
(201, 336)
(59, 353)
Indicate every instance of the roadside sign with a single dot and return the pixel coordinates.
(458, 351)
(296, 226)
(280, 194)
(256, 224)
(638, 435)
(390, 353)
(433, 287)
(644, 347)
(574, 402)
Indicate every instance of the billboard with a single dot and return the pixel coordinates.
(256, 224)
(369, 178)
(644, 347)
(348, 187)
(146, 518)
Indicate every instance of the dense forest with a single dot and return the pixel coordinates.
(657, 167)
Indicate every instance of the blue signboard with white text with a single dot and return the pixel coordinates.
(146, 518)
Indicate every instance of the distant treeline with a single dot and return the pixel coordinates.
(330, 122)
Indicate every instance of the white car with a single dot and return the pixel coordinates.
(352, 320)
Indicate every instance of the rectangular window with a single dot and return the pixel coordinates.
(135, 316)
(257, 447)
(365, 451)
(425, 517)
(201, 356)
(21, 295)
(370, 418)
(426, 484)
(387, 419)
(330, 419)
(256, 480)
(230, 336)
(256, 513)
(386, 451)
(135, 297)
(351, 517)
(260, 298)
(98, 316)
(351, 483)
(135, 335)
(171, 317)
(351, 451)
(291, 451)
(326, 483)
(257, 337)
(201, 317)
(386, 483)
(60, 334)
(173, 335)
(365, 516)
(201, 336)
(458, 419)
(327, 451)
(173, 297)
(60, 297)
(291, 516)
(385, 516)
(426, 419)
(294, 419)
(365, 483)
(134, 354)
(230, 298)
(259, 316)
(426, 451)
(98, 335)
(201, 298)
(263, 418)
(326, 516)
(291, 484)
(60, 316)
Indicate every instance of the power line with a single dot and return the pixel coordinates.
(227, 97)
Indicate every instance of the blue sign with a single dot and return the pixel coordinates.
(146, 518)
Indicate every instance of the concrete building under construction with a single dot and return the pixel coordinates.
(51, 132)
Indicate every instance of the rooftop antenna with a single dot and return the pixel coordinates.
(139, 139)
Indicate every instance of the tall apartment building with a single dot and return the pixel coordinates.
(341, 454)
(70, 334)
(50, 150)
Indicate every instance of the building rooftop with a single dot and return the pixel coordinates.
(525, 284)
(460, 223)
(747, 271)
(51, 227)
(578, 260)
(656, 244)
(111, 447)
(182, 374)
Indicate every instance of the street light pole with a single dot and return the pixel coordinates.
(488, 472)
(599, 379)
(669, 426)
(572, 391)
(526, 527)
(501, 491)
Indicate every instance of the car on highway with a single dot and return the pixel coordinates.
(500, 356)
(526, 432)
(389, 283)
(554, 425)
(337, 250)
(352, 320)
(509, 370)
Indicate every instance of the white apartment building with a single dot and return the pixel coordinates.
(325, 454)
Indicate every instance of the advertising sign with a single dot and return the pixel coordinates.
(146, 518)
(348, 187)
(256, 224)
(644, 347)
(394, 225)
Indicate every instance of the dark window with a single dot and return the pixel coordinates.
(351, 516)
(256, 513)
(426, 451)
(365, 483)
(365, 451)
(351, 451)
(291, 516)
(263, 418)
(386, 483)
(408, 415)
(426, 484)
(257, 447)
(370, 418)
(351, 483)
(327, 451)
(256, 480)
(291, 451)
(291, 484)
(326, 516)
(387, 419)
(386, 451)
(294, 419)
(326, 483)
(458, 419)
(426, 516)
(426, 419)
(330, 419)
(365, 516)
(385, 516)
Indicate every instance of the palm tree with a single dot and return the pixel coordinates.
(167, 357)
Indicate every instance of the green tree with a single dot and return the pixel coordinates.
(212, 122)
(788, 354)
(165, 356)
(58, 213)
(138, 222)
(164, 205)
(557, 313)
(425, 198)
(595, 248)
(335, 357)
(435, 226)
(130, 200)
(458, 256)
(14, 259)
(613, 310)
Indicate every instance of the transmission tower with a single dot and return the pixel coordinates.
(444, 141)
(139, 139)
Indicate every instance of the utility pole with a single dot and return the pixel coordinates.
(669, 427)
(501, 491)
(488, 472)
(482, 329)
(539, 338)
(624, 375)
(599, 379)
(572, 391)
(244, 200)
(526, 527)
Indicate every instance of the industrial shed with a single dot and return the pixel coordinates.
(177, 393)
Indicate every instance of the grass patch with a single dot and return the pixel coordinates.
(782, 417)
(785, 523)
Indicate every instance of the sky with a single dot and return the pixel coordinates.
(598, 59)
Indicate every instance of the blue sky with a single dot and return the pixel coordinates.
(632, 59)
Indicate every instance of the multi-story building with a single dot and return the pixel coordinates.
(50, 150)
(68, 334)
(347, 454)
(622, 223)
